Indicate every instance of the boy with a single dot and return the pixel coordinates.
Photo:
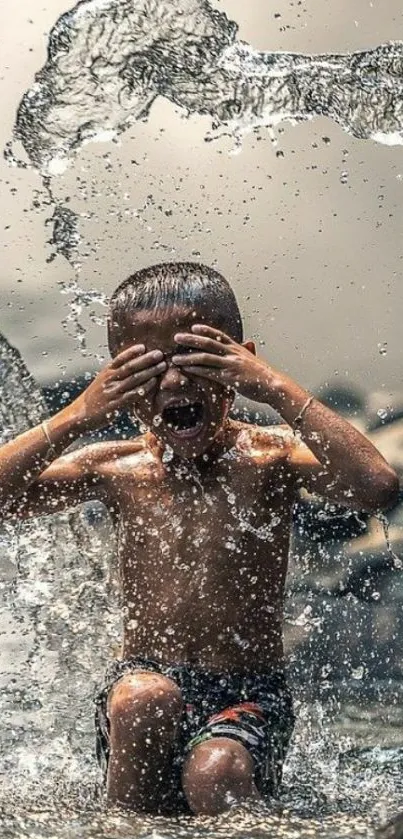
(197, 712)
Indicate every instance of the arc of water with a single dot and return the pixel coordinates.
(109, 59)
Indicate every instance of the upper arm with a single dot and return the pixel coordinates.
(70, 480)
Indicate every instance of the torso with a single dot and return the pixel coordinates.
(203, 551)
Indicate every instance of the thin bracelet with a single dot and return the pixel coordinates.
(300, 416)
(44, 427)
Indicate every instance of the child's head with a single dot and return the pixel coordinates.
(149, 308)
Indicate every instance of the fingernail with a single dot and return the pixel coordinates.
(157, 354)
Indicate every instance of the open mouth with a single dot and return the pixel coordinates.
(184, 419)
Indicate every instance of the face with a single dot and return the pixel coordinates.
(186, 412)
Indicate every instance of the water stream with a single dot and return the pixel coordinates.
(108, 61)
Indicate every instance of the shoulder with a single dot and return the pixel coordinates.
(95, 457)
(276, 441)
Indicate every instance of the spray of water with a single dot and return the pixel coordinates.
(80, 300)
(108, 60)
(59, 625)
(56, 579)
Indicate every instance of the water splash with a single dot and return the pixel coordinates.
(79, 300)
(58, 626)
(65, 239)
(22, 404)
(395, 561)
(108, 60)
(53, 650)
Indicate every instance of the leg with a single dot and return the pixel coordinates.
(144, 710)
(218, 774)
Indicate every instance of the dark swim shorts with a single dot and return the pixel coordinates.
(256, 710)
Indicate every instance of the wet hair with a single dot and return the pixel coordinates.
(175, 284)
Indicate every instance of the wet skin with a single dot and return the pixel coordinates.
(203, 535)
(194, 592)
(203, 560)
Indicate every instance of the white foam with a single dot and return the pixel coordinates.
(395, 138)
(57, 166)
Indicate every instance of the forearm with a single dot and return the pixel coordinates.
(25, 457)
(348, 456)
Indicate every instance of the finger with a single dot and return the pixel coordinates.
(136, 379)
(135, 395)
(211, 332)
(200, 358)
(200, 342)
(141, 362)
(213, 374)
(132, 351)
(138, 393)
(147, 387)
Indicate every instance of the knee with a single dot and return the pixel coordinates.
(217, 774)
(144, 694)
(217, 760)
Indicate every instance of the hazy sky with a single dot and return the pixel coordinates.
(315, 257)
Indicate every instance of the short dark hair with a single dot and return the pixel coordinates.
(169, 284)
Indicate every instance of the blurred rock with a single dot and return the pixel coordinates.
(384, 408)
(349, 401)
(344, 615)
(389, 441)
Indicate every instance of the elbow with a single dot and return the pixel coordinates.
(387, 492)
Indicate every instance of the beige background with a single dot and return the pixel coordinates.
(316, 263)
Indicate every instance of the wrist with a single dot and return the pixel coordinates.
(275, 389)
(287, 398)
(66, 425)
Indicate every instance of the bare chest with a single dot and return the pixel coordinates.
(177, 515)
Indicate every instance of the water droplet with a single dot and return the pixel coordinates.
(157, 420)
(343, 177)
(167, 455)
(382, 413)
(383, 348)
(357, 672)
